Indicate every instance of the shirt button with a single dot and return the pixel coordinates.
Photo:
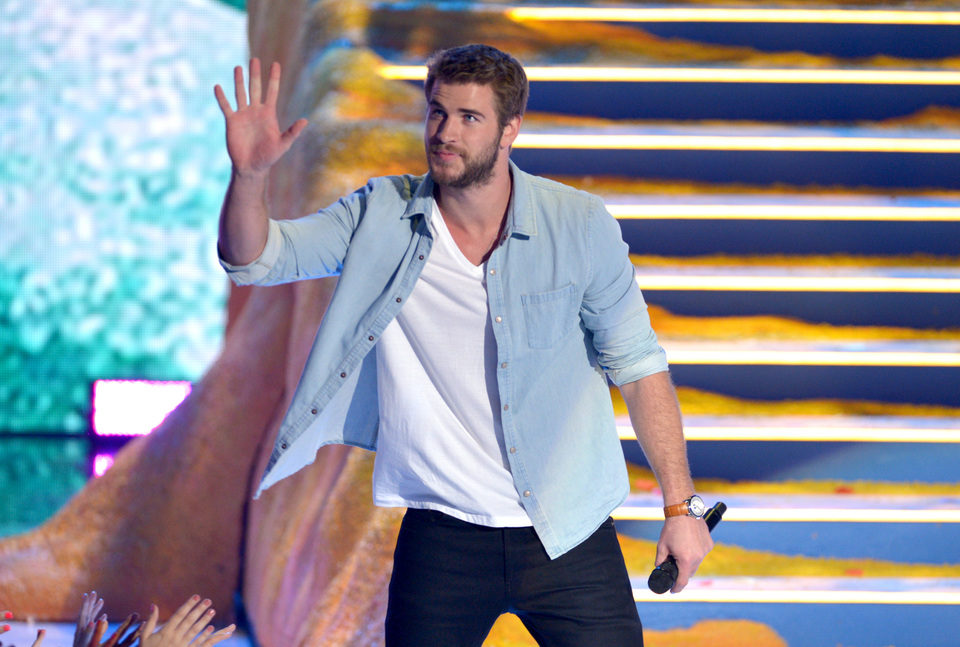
(506, 407)
(498, 319)
(399, 299)
(370, 338)
(421, 257)
(492, 272)
(313, 411)
(503, 365)
(343, 375)
(283, 445)
(526, 493)
(513, 450)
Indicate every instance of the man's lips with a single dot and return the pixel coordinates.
(445, 154)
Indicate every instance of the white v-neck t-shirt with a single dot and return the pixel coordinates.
(440, 443)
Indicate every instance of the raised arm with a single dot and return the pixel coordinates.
(655, 415)
(254, 143)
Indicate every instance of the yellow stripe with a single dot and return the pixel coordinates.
(740, 357)
(708, 14)
(775, 433)
(779, 212)
(811, 596)
(712, 75)
(772, 143)
(788, 283)
(806, 515)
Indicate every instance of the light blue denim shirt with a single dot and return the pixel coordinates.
(567, 314)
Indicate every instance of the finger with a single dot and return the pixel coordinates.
(201, 638)
(222, 101)
(115, 637)
(255, 81)
(87, 613)
(182, 612)
(186, 615)
(273, 85)
(219, 636)
(238, 87)
(132, 637)
(198, 618)
(681, 583)
(40, 634)
(200, 624)
(686, 567)
(99, 629)
(83, 639)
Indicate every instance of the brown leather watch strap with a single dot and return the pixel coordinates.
(676, 510)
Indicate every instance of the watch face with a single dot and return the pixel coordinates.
(697, 507)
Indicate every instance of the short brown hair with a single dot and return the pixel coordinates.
(484, 65)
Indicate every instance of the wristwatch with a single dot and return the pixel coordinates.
(692, 507)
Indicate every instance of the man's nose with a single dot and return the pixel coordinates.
(446, 131)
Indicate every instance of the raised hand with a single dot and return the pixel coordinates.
(254, 139)
(188, 623)
(117, 639)
(87, 619)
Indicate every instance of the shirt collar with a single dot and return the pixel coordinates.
(421, 203)
(521, 216)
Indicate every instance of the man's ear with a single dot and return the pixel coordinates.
(510, 131)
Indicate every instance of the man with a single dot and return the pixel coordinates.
(477, 318)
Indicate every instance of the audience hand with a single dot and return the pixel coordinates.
(4, 628)
(117, 639)
(188, 622)
(87, 621)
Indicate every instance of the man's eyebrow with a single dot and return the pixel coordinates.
(433, 103)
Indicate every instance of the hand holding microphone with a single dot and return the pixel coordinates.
(664, 576)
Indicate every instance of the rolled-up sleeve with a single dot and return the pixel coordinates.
(256, 271)
(613, 307)
(309, 247)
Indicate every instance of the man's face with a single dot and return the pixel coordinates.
(462, 136)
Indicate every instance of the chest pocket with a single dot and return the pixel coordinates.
(549, 315)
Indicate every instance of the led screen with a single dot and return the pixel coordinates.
(111, 176)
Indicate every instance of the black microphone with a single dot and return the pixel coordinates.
(664, 576)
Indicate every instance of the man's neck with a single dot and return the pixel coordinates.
(476, 215)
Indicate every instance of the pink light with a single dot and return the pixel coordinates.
(134, 407)
(101, 463)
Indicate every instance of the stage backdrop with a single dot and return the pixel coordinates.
(111, 177)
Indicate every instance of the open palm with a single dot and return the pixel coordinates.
(254, 139)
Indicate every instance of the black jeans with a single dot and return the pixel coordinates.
(452, 579)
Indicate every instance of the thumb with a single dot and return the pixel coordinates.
(149, 624)
(291, 133)
(662, 553)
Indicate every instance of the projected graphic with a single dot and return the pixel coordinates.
(111, 178)
(134, 407)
